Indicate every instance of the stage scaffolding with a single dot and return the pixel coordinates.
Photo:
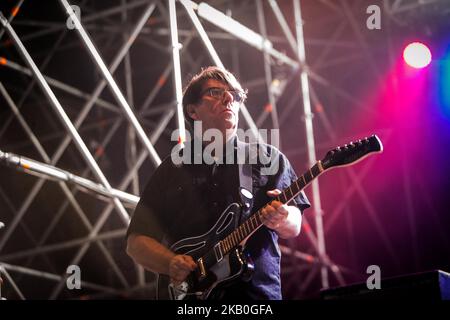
(148, 125)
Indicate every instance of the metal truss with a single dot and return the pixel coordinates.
(178, 37)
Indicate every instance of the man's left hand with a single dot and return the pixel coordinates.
(275, 213)
(284, 219)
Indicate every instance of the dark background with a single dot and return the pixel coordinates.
(389, 210)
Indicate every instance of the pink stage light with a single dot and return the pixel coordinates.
(417, 55)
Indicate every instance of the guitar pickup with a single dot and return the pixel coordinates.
(218, 252)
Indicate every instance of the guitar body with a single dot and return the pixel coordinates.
(219, 253)
(215, 270)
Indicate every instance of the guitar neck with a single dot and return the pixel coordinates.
(254, 222)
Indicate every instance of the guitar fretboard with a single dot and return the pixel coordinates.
(254, 222)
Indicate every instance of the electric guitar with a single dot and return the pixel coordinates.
(219, 253)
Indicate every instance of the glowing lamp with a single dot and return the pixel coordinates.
(417, 55)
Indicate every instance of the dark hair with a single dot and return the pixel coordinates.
(192, 92)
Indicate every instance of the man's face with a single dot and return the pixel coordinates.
(216, 110)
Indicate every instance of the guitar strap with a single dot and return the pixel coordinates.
(245, 181)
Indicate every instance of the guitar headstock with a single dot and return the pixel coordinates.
(352, 152)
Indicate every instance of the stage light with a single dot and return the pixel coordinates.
(417, 55)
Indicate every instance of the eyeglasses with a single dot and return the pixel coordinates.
(218, 93)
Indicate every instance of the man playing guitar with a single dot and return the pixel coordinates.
(182, 224)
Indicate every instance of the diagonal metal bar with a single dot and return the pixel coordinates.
(155, 45)
(25, 204)
(13, 14)
(85, 110)
(23, 123)
(48, 57)
(33, 81)
(112, 84)
(62, 185)
(114, 10)
(64, 206)
(54, 277)
(349, 192)
(214, 16)
(131, 136)
(25, 227)
(123, 185)
(374, 217)
(240, 31)
(350, 58)
(64, 245)
(66, 121)
(304, 82)
(267, 68)
(351, 172)
(307, 280)
(51, 137)
(63, 86)
(359, 35)
(343, 94)
(189, 5)
(159, 84)
(104, 215)
(331, 5)
(283, 24)
(11, 282)
(95, 230)
(412, 6)
(433, 212)
(93, 17)
(161, 80)
(297, 270)
(50, 172)
(37, 34)
(357, 187)
(162, 123)
(329, 46)
(395, 4)
(177, 71)
(98, 225)
(306, 227)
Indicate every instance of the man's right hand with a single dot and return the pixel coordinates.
(179, 268)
